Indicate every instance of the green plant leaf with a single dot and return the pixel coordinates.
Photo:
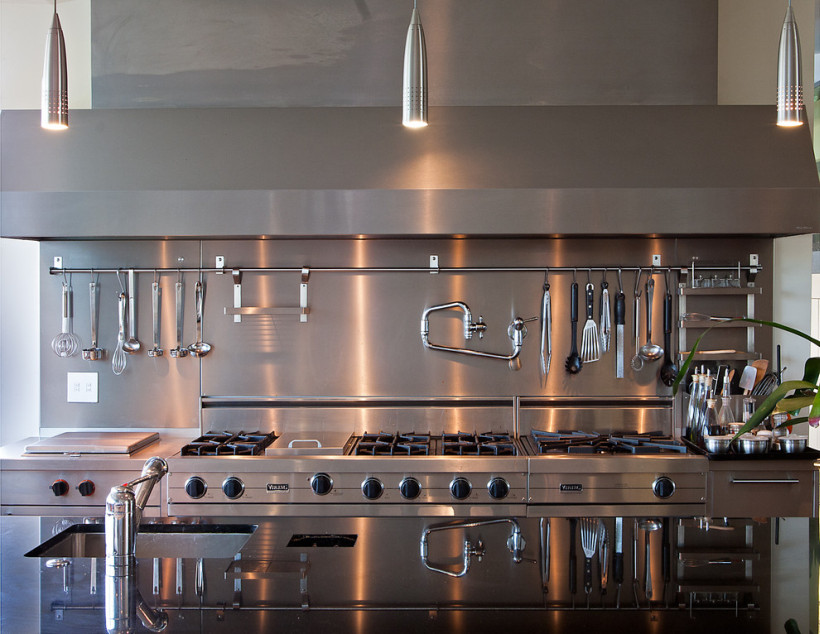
(793, 421)
(814, 413)
(768, 405)
(811, 371)
(794, 403)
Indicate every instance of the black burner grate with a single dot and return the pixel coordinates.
(229, 444)
(579, 442)
(473, 444)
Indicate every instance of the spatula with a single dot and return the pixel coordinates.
(761, 366)
(590, 343)
(589, 541)
(747, 379)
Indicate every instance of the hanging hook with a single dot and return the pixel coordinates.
(638, 282)
(620, 282)
(666, 281)
(119, 279)
(156, 277)
(573, 275)
(546, 279)
(604, 282)
(589, 277)
(179, 275)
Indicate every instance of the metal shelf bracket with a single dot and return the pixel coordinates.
(238, 309)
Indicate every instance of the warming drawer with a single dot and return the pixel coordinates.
(762, 488)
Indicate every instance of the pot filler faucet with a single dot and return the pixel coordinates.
(123, 509)
(516, 331)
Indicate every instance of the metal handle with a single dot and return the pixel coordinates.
(92, 297)
(65, 309)
(620, 309)
(650, 291)
(637, 323)
(198, 294)
(312, 442)
(121, 317)
(199, 578)
(765, 481)
(545, 552)
(179, 287)
(132, 305)
(590, 301)
(648, 567)
(573, 303)
(155, 300)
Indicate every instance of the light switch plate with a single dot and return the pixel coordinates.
(82, 387)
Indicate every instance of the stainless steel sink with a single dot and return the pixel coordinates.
(186, 541)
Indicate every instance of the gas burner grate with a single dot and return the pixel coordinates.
(473, 444)
(383, 444)
(229, 444)
(579, 442)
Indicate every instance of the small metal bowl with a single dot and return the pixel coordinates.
(717, 444)
(750, 444)
(793, 443)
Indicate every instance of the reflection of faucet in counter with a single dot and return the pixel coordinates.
(123, 509)
(516, 331)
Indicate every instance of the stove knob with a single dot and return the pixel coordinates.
(410, 488)
(321, 484)
(59, 487)
(663, 487)
(498, 488)
(372, 488)
(460, 488)
(86, 487)
(195, 487)
(233, 487)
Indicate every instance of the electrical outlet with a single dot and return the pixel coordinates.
(82, 387)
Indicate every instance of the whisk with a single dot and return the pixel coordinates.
(66, 343)
(118, 359)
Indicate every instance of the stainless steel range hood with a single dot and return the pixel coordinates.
(475, 171)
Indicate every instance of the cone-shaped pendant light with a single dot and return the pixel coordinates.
(789, 86)
(414, 102)
(54, 107)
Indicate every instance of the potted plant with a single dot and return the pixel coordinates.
(790, 396)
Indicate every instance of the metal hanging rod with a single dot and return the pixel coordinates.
(397, 269)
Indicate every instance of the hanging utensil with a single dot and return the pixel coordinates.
(747, 380)
(66, 343)
(590, 343)
(180, 351)
(132, 345)
(635, 580)
(669, 371)
(637, 360)
(572, 576)
(666, 558)
(589, 544)
(546, 332)
(605, 316)
(118, 360)
(199, 348)
(650, 351)
(574, 362)
(545, 553)
(93, 353)
(618, 559)
(620, 320)
(156, 311)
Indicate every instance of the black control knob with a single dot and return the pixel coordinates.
(372, 488)
(195, 487)
(410, 488)
(86, 487)
(59, 487)
(663, 487)
(460, 488)
(498, 488)
(321, 484)
(233, 487)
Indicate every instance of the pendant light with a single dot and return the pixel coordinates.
(54, 106)
(789, 85)
(414, 102)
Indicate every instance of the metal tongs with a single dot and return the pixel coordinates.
(546, 330)
(605, 316)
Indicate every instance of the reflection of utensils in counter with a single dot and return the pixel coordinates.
(573, 362)
(589, 544)
(180, 351)
(546, 332)
(620, 320)
(618, 559)
(132, 344)
(93, 353)
(648, 526)
(545, 553)
(199, 348)
(156, 311)
(603, 556)
(118, 360)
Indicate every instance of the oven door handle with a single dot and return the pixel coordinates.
(765, 481)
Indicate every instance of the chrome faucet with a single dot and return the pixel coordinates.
(516, 331)
(123, 510)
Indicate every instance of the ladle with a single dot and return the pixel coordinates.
(650, 526)
(650, 351)
(132, 345)
(669, 371)
(199, 348)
